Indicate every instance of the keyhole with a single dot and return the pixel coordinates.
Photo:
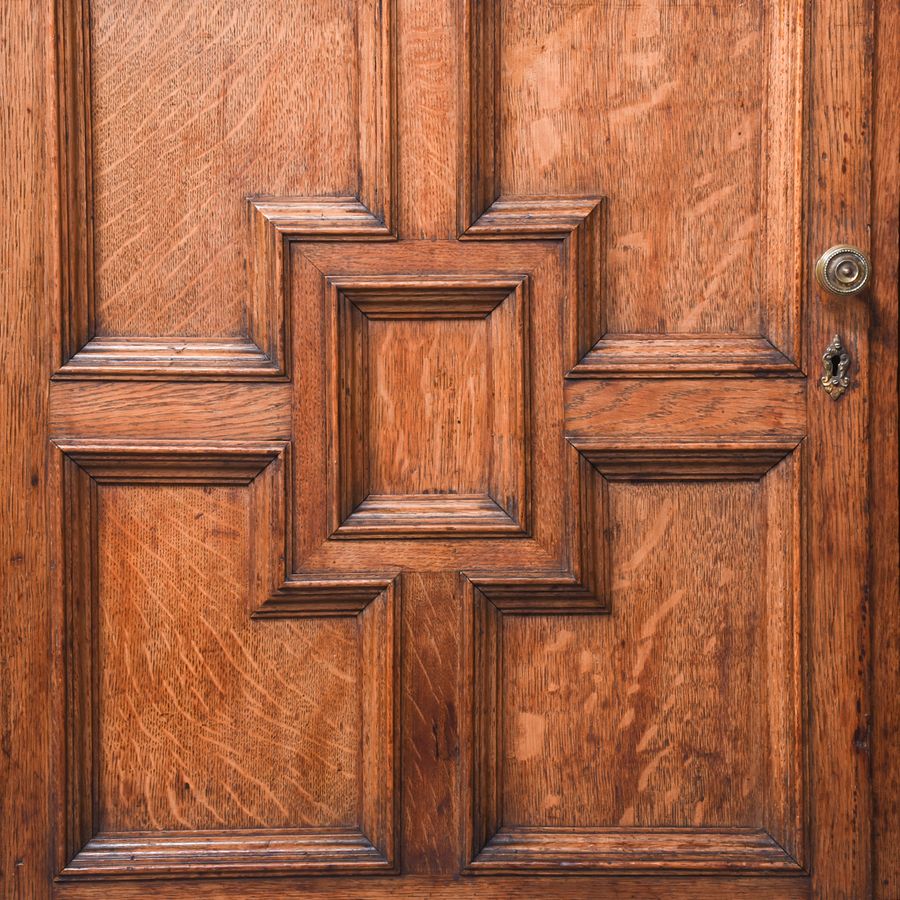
(835, 360)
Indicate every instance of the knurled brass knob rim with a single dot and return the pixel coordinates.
(843, 270)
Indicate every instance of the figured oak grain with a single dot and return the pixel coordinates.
(207, 719)
(662, 109)
(628, 505)
(182, 200)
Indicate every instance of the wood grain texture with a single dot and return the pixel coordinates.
(489, 888)
(428, 406)
(192, 735)
(884, 523)
(432, 660)
(602, 743)
(214, 208)
(28, 282)
(440, 486)
(688, 120)
(534, 85)
(555, 556)
(123, 410)
(176, 699)
(675, 410)
(839, 632)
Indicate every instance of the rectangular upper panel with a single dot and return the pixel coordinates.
(685, 117)
(194, 136)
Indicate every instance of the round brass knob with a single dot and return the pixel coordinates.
(843, 270)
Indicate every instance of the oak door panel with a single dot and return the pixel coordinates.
(167, 112)
(444, 489)
(201, 734)
(693, 116)
(206, 721)
(668, 733)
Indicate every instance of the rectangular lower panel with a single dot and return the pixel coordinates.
(666, 735)
(199, 739)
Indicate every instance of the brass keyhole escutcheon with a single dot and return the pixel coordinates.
(843, 270)
(835, 362)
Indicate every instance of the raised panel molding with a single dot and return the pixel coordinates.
(521, 414)
(359, 511)
(261, 353)
(683, 461)
(373, 600)
(493, 846)
(486, 214)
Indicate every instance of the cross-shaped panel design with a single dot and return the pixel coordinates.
(434, 428)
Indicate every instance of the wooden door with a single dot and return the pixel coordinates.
(434, 490)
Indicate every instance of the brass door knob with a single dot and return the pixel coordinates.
(843, 270)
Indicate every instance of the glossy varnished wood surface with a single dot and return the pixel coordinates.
(839, 630)
(483, 516)
(246, 726)
(485, 888)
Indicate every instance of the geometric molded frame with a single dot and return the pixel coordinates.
(529, 303)
(497, 307)
(492, 846)
(372, 601)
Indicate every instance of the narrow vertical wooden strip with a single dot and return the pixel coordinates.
(839, 211)
(483, 750)
(29, 293)
(480, 179)
(883, 526)
(77, 762)
(376, 161)
(782, 252)
(428, 63)
(431, 723)
(781, 557)
(379, 639)
(76, 213)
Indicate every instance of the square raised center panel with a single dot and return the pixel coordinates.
(428, 406)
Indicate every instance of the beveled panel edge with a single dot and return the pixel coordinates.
(684, 356)
(398, 296)
(712, 850)
(683, 460)
(428, 516)
(236, 852)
